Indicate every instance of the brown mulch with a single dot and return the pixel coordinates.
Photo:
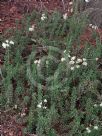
(8, 125)
(11, 10)
(13, 123)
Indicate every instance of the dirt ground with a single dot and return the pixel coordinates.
(12, 10)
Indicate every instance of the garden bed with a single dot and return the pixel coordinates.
(50, 70)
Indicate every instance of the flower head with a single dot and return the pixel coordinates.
(95, 105)
(37, 62)
(5, 45)
(71, 62)
(97, 59)
(101, 104)
(45, 100)
(11, 42)
(69, 56)
(39, 105)
(23, 114)
(88, 130)
(7, 41)
(79, 60)
(90, 25)
(15, 106)
(71, 10)
(73, 58)
(44, 107)
(84, 63)
(31, 29)
(87, 0)
(84, 59)
(72, 68)
(77, 66)
(70, 3)
(65, 16)
(63, 59)
(96, 127)
(43, 17)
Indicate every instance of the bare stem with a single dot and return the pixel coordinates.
(63, 4)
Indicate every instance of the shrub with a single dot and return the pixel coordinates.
(58, 83)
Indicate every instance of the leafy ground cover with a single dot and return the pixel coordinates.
(51, 76)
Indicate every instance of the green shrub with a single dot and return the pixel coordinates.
(63, 97)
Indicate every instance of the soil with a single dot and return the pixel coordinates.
(9, 127)
(12, 10)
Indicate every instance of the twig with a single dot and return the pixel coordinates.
(63, 4)
(41, 4)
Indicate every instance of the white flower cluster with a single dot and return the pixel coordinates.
(40, 105)
(89, 129)
(31, 29)
(7, 43)
(37, 62)
(43, 17)
(96, 105)
(75, 62)
(93, 26)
